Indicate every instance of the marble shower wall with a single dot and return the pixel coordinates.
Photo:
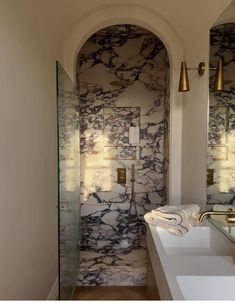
(221, 135)
(113, 250)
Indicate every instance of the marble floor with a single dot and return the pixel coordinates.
(111, 268)
(110, 293)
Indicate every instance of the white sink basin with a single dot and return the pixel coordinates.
(199, 241)
(196, 266)
(196, 242)
(207, 287)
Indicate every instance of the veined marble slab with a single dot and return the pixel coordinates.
(113, 241)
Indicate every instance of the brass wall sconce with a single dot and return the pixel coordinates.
(219, 77)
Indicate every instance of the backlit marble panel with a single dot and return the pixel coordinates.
(120, 152)
(113, 249)
(117, 121)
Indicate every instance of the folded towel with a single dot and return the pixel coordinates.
(221, 207)
(176, 219)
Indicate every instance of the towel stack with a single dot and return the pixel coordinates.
(177, 219)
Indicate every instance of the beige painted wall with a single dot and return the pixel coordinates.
(29, 31)
(195, 108)
(228, 15)
(28, 193)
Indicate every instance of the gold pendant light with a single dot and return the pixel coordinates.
(219, 77)
(183, 83)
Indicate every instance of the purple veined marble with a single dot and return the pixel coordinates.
(113, 248)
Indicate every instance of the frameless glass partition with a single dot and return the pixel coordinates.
(68, 183)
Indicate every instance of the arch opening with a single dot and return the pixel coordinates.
(109, 59)
(141, 16)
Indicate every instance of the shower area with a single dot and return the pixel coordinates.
(123, 85)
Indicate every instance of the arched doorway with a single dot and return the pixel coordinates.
(123, 81)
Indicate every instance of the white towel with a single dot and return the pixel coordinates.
(176, 219)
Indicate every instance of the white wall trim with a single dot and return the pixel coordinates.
(152, 21)
(120, 14)
(54, 293)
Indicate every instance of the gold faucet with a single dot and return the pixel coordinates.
(230, 215)
(230, 218)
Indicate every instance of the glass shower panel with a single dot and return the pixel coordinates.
(69, 183)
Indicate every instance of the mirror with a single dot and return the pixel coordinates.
(227, 229)
(221, 126)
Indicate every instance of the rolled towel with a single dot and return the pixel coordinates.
(221, 207)
(177, 219)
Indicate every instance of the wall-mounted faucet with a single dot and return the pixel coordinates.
(230, 215)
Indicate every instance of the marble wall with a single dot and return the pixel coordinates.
(113, 249)
(221, 133)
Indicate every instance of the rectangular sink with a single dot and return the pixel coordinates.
(207, 287)
(196, 242)
(196, 266)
